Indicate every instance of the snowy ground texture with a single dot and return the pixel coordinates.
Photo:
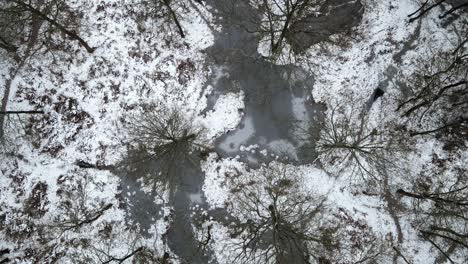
(87, 98)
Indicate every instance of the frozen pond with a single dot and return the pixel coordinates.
(279, 112)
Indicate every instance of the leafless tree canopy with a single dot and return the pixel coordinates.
(12, 24)
(273, 20)
(450, 6)
(440, 207)
(347, 141)
(164, 143)
(438, 102)
(281, 222)
(24, 21)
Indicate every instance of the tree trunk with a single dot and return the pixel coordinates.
(20, 112)
(413, 195)
(434, 197)
(295, 10)
(455, 124)
(429, 233)
(453, 9)
(121, 260)
(71, 34)
(174, 17)
(423, 11)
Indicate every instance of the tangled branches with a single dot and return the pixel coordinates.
(279, 220)
(163, 145)
(348, 141)
(438, 102)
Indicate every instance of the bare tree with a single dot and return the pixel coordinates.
(163, 12)
(438, 99)
(427, 5)
(274, 21)
(19, 18)
(280, 220)
(172, 13)
(348, 141)
(435, 104)
(440, 207)
(279, 16)
(13, 24)
(163, 145)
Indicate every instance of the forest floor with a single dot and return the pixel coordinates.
(253, 112)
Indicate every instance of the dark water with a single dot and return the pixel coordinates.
(277, 98)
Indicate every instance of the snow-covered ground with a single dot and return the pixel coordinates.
(87, 99)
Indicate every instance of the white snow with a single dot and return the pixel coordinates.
(225, 116)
